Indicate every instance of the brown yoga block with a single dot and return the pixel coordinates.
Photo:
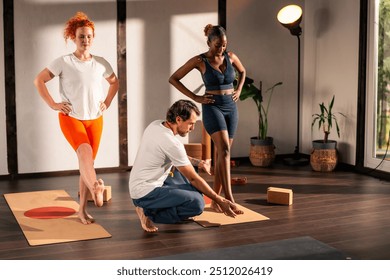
(279, 196)
(106, 194)
(206, 144)
(194, 150)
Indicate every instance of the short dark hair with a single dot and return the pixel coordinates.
(183, 109)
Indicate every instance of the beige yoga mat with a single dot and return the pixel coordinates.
(48, 217)
(210, 218)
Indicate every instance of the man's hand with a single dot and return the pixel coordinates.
(205, 165)
(229, 208)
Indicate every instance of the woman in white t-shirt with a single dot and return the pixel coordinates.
(82, 103)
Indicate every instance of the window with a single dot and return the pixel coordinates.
(378, 86)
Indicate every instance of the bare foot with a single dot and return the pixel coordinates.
(85, 218)
(146, 223)
(90, 217)
(98, 192)
(214, 206)
(238, 211)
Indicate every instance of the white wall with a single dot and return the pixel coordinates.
(331, 68)
(161, 36)
(38, 40)
(3, 133)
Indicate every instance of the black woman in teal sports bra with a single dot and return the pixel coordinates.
(218, 68)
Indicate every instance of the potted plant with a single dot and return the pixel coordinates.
(324, 155)
(262, 148)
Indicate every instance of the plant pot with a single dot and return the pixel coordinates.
(262, 151)
(320, 145)
(324, 156)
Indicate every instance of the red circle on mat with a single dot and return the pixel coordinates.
(50, 212)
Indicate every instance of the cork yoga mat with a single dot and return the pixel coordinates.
(210, 218)
(48, 217)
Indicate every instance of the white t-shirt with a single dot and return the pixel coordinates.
(81, 84)
(158, 152)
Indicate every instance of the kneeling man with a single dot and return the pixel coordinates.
(156, 200)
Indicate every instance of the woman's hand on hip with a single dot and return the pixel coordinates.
(204, 99)
(64, 107)
(236, 95)
(103, 106)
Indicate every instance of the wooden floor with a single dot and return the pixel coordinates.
(347, 211)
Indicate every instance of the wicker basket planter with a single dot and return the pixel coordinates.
(262, 152)
(324, 156)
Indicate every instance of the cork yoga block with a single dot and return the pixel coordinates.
(194, 150)
(206, 144)
(106, 194)
(279, 196)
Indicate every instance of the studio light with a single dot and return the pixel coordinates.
(291, 17)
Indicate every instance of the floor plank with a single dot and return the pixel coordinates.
(345, 210)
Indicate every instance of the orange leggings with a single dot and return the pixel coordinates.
(78, 132)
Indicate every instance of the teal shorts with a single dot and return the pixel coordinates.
(220, 115)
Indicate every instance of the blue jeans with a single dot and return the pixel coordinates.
(175, 201)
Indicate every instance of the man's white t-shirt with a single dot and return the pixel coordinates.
(158, 152)
(81, 83)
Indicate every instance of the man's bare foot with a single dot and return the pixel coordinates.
(214, 206)
(85, 218)
(146, 223)
(98, 189)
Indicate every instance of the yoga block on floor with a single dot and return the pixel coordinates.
(194, 150)
(106, 194)
(279, 196)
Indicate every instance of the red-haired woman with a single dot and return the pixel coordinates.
(82, 104)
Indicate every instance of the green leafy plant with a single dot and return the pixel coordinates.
(249, 90)
(326, 119)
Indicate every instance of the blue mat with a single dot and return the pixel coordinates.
(301, 248)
